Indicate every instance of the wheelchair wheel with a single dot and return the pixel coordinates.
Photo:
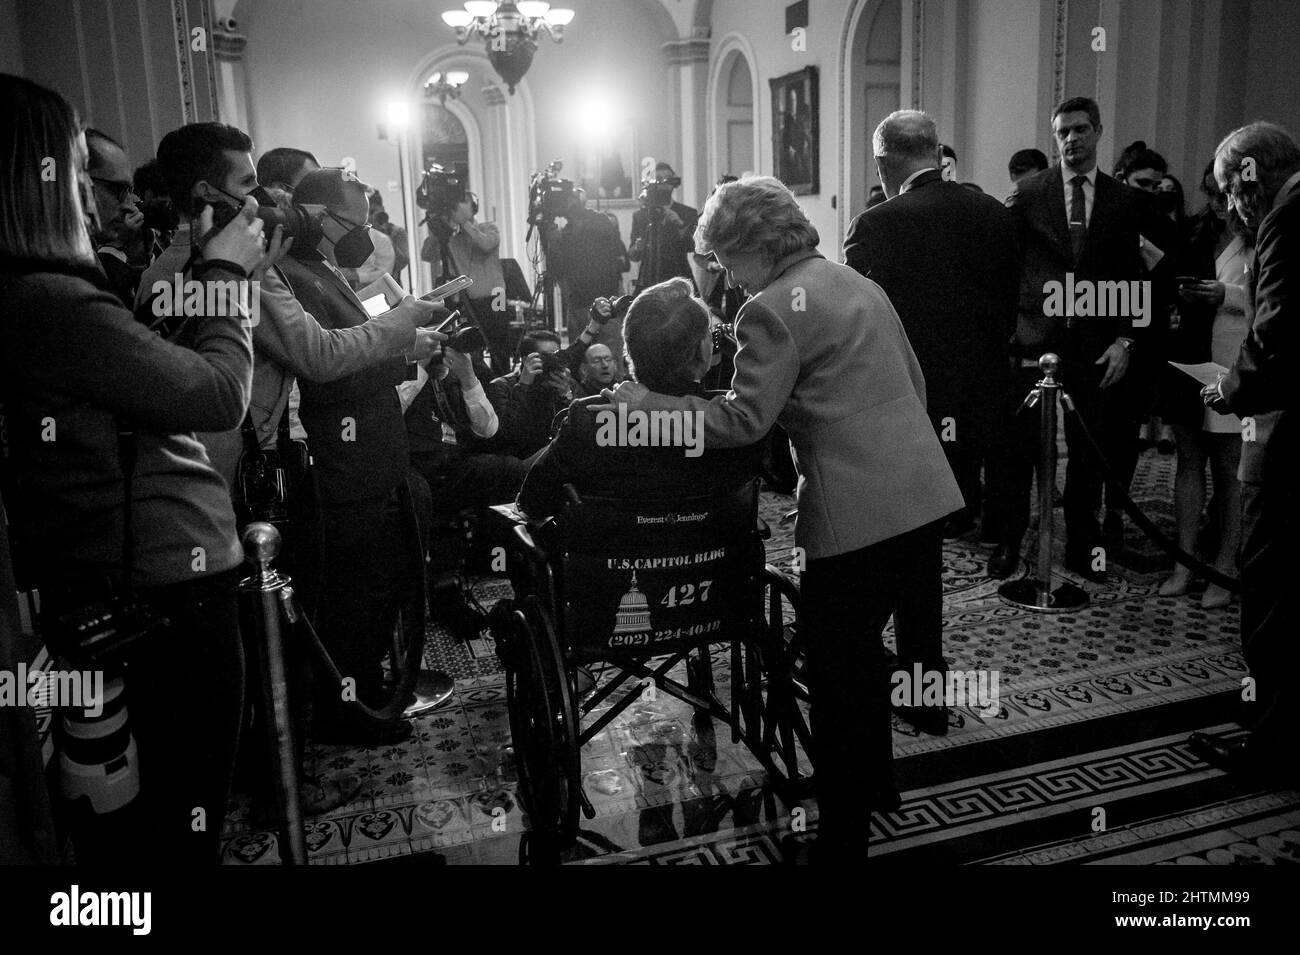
(775, 686)
(543, 728)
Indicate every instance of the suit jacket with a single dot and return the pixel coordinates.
(365, 457)
(946, 257)
(1111, 252)
(287, 342)
(640, 473)
(823, 353)
(1259, 383)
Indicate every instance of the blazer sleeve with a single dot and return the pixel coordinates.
(767, 367)
(92, 342)
(1259, 381)
(291, 337)
(858, 254)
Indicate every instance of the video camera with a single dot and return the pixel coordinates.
(659, 192)
(549, 195)
(440, 192)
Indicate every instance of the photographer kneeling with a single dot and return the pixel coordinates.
(97, 405)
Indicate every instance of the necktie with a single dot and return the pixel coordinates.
(1078, 215)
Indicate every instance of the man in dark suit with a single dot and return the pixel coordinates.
(366, 571)
(1258, 166)
(946, 257)
(1076, 228)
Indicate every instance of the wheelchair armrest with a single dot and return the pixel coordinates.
(524, 534)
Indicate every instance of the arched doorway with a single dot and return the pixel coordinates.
(498, 151)
(872, 90)
(732, 102)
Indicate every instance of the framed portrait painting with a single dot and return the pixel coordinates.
(794, 131)
(607, 171)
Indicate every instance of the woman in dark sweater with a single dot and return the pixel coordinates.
(75, 369)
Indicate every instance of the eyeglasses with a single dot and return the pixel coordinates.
(118, 190)
(341, 220)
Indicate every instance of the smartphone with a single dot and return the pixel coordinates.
(458, 284)
(453, 317)
(1186, 279)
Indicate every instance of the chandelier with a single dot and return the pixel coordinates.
(444, 86)
(509, 31)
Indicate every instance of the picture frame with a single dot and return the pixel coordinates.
(795, 129)
(610, 173)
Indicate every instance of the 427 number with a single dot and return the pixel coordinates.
(684, 594)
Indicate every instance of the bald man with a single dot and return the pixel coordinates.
(598, 370)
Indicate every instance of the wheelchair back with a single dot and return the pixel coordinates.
(645, 578)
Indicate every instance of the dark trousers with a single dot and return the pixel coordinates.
(845, 603)
(1270, 519)
(185, 696)
(495, 326)
(369, 570)
(1016, 452)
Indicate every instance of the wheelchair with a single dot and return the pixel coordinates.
(641, 586)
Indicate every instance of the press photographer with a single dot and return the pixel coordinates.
(588, 259)
(662, 231)
(460, 245)
(210, 164)
(118, 501)
(528, 399)
(448, 417)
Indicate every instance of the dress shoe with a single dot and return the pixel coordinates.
(1215, 598)
(1003, 561)
(928, 719)
(1245, 758)
(1176, 584)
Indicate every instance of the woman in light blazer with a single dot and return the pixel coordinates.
(822, 352)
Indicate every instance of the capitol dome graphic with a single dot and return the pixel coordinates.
(633, 612)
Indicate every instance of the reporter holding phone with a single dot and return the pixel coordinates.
(75, 368)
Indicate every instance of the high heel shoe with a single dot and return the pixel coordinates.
(1175, 586)
(1215, 598)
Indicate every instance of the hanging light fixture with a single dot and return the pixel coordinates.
(445, 86)
(509, 31)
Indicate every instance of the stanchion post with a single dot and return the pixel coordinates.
(1037, 594)
(263, 591)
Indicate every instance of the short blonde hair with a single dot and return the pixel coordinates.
(754, 214)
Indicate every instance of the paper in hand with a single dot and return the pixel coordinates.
(1207, 372)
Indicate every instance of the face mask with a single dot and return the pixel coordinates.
(355, 247)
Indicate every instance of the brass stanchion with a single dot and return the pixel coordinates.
(1028, 592)
(266, 590)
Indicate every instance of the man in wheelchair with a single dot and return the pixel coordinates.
(654, 554)
(669, 347)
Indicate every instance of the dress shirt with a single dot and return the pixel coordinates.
(1089, 191)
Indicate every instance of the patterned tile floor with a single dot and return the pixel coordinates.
(1095, 709)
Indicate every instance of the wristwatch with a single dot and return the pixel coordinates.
(1127, 343)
